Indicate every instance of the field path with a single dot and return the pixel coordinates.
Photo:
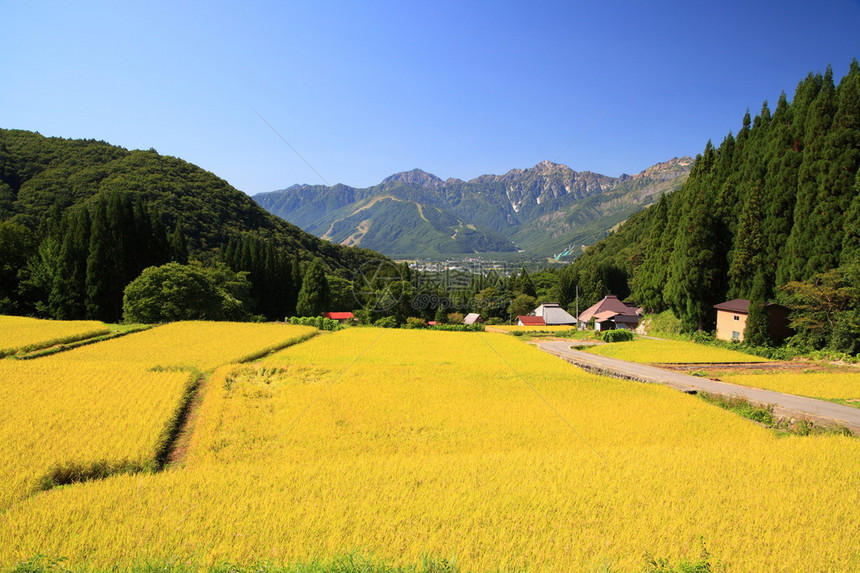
(786, 405)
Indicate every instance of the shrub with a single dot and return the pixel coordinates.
(620, 335)
(456, 317)
(319, 322)
(386, 322)
(459, 327)
(414, 322)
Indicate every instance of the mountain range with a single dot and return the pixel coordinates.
(542, 211)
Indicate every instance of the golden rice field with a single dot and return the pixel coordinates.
(671, 351)
(19, 333)
(197, 345)
(102, 407)
(828, 385)
(517, 328)
(57, 417)
(406, 443)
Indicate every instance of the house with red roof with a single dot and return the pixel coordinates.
(530, 321)
(340, 316)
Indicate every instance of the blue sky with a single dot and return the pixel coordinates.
(366, 89)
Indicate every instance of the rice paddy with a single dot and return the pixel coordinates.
(671, 352)
(469, 446)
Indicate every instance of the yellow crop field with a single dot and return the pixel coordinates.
(21, 333)
(57, 418)
(829, 385)
(405, 443)
(671, 351)
(517, 328)
(199, 345)
(102, 408)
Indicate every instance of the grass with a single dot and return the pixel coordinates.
(764, 416)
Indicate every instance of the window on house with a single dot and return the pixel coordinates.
(736, 336)
(737, 317)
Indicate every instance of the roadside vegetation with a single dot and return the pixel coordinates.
(765, 416)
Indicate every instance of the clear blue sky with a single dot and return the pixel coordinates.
(366, 89)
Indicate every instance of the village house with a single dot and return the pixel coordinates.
(341, 317)
(553, 315)
(732, 320)
(473, 318)
(530, 321)
(610, 313)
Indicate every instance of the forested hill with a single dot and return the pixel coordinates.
(776, 203)
(55, 191)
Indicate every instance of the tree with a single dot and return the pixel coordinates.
(522, 305)
(818, 304)
(314, 296)
(17, 245)
(173, 292)
(757, 332)
(179, 244)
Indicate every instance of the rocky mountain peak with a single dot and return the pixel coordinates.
(415, 177)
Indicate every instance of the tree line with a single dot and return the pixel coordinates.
(777, 204)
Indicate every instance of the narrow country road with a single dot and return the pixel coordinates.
(783, 404)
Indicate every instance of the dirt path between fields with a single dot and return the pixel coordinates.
(784, 405)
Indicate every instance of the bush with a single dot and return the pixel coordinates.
(386, 322)
(620, 335)
(319, 322)
(414, 322)
(459, 327)
(456, 317)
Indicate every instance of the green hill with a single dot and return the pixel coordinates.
(47, 183)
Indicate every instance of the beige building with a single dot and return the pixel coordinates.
(732, 319)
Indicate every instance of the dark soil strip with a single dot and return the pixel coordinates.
(177, 422)
(179, 447)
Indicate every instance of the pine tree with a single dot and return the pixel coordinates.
(757, 331)
(314, 294)
(836, 185)
(67, 299)
(178, 246)
(105, 264)
(851, 238)
(693, 283)
(800, 244)
(650, 278)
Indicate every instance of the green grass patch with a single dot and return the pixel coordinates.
(764, 416)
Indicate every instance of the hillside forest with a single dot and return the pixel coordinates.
(771, 214)
(81, 219)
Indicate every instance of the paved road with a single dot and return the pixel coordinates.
(783, 404)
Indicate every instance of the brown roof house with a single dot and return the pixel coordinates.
(732, 320)
(473, 318)
(610, 313)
